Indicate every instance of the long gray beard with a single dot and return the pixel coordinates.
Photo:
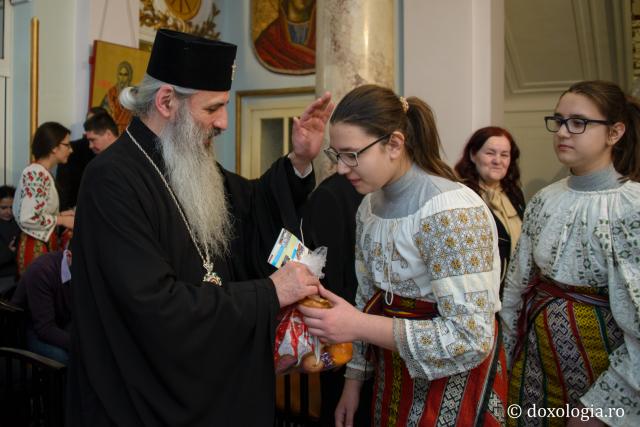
(196, 180)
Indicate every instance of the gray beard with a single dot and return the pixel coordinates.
(196, 180)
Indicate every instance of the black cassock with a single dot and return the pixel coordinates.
(151, 344)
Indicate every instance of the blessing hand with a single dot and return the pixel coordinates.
(308, 131)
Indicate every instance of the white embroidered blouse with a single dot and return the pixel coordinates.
(36, 203)
(445, 252)
(586, 238)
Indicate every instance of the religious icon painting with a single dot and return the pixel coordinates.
(114, 68)
(284, 35)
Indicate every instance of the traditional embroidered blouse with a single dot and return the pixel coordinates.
(585, 231)
(444, 252)
(36, 203)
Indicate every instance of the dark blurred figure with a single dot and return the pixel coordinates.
(44, 292)
(9, 231)
(329, 219)
(68, 176)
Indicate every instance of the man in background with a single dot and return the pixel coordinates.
(68, 176)
(101, 131)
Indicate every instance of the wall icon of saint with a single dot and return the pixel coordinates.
(110, 102)
(284, 35)
(115, 67)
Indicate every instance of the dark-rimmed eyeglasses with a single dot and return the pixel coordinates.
(350, 158)
(575, 125)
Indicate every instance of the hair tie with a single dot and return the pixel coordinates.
(405, 104)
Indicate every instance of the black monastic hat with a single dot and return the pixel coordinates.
(192, 62)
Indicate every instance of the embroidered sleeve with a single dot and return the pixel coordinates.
(520, 273)
(458, 248)
(34, 219)
(619, 385)
(359, 368)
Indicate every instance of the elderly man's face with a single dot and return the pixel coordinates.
(209, 110)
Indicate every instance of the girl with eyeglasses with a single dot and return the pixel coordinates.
(571, 304)
(428, 273)
(36, 204)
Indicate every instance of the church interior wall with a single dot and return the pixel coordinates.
(447, 52)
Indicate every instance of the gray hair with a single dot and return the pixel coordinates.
(140, 99)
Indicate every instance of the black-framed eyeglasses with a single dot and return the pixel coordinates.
(575, 125)
(350, 158)
(66, 144)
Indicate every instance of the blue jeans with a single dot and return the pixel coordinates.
(44, 349)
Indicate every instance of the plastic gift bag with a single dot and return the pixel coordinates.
(295, 348)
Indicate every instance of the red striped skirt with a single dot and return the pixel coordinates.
(30, 248)
(473, 398)
(565, 336)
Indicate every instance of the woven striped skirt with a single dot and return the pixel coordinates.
(473, 398)
(566, 334)
(30, 248)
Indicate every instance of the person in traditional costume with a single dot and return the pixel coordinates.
(571, 304)
(489, 166)
(174, 303)
(36, 204)
(428, 272)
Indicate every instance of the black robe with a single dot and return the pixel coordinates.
(329, 219)
(151, 344)
(68, 175)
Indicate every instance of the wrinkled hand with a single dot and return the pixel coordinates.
(337, 324)
(308, 131)
(294, 282)
(348, 404)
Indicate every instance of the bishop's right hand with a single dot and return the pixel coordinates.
(294, 282)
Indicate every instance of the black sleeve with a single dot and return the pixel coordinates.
(6, 254)
(330, 221)
(261, 208)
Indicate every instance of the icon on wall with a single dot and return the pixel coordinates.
(114, 68)
(284, 35)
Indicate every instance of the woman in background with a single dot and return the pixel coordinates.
(571, 305)
(489, 166)
(36, 204)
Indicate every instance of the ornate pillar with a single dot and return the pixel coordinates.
(355, 45)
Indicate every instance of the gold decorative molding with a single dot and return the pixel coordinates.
(156, 19)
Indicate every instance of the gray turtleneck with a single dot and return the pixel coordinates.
(409, 193)
(605, 179)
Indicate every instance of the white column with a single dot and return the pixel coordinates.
(355, 42)
(454, 60)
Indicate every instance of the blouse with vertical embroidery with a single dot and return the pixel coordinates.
(36, 203)
(445, 252)
(585, 231)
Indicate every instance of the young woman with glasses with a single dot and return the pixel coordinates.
(571, 304)
(428, 273)
(36, 204)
